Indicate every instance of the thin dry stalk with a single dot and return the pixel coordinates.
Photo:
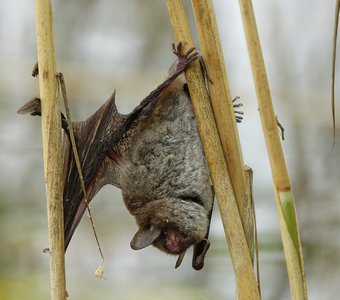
(335, 37)
(238, 248)
(52, 146)
(61, 84)
(283, 193)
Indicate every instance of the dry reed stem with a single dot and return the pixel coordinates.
(52, 146)
(238, 248)
(222, 106)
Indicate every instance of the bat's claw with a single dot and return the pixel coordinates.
(238, 114)
(187, 58)
(35, 71)
(33, 107)
(184, 59)
(237, 104)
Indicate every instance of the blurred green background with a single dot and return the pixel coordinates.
(102, 45)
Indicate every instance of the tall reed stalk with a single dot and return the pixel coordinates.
(52, 146)
(222, 105)
(282, 186)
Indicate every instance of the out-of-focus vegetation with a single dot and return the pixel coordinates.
(102, 45)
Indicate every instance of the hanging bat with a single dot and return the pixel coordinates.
(154, 156)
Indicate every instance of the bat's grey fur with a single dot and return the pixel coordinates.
(166, 181)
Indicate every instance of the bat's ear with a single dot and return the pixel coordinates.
(200, 250)
(144, 237)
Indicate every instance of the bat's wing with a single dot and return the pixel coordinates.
(100, 140)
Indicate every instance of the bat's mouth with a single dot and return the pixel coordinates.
(174, 241)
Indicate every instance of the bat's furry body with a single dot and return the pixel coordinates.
(167, 163)
(155, 156)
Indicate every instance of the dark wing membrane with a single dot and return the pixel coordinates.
(95, 138)
(102, 132)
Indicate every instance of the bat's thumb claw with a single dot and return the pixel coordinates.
(46, 250)
(33, 107)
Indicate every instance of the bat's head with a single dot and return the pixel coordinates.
(168, 239)
(172, 225)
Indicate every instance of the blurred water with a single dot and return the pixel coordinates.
(100, 48)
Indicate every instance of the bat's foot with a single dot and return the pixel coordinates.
(200, 250)
(238, 114)
(184, 60)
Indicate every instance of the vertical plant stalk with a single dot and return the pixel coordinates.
(335, 37)
(238, 248)
(52, 146)
(222, 106)
(283, 192)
